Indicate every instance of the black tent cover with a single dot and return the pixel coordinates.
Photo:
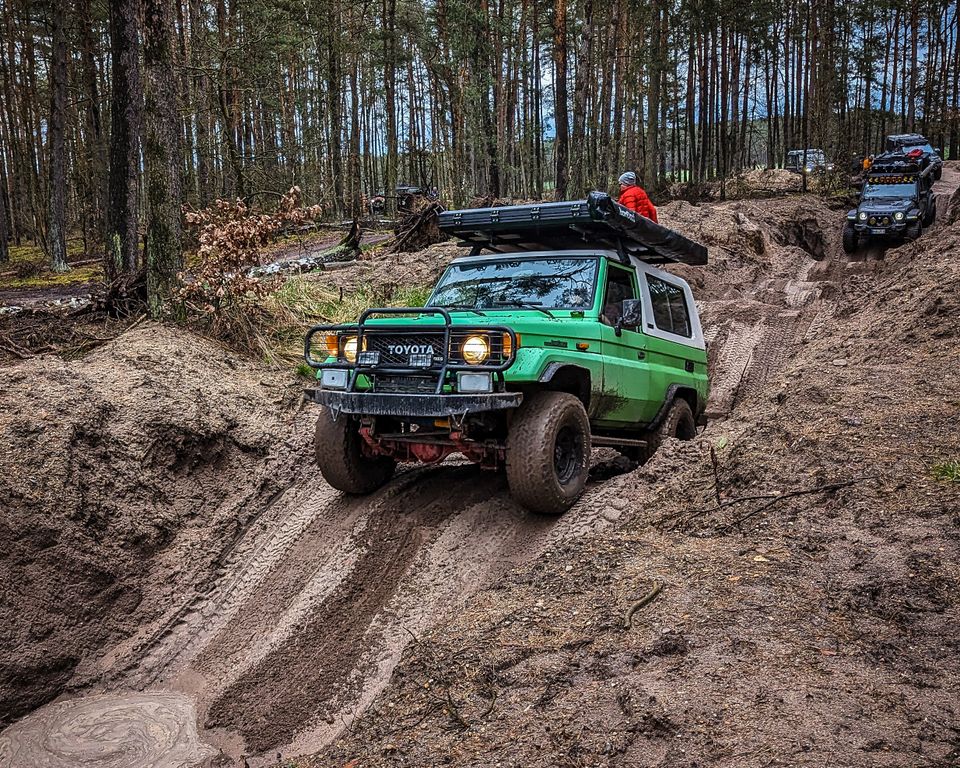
(598, 221)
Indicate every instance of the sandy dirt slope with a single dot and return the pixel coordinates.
(809, 630)
(436, 622)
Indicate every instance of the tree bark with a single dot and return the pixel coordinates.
(122, 246)
(161, 155)
(560, 97)
(57, 210)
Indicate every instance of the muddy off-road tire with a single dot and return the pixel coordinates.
(930, 215)
(850, 239)
(679, 423)
(342, 463)
(914, 231)
(548, 452)
(938, 173)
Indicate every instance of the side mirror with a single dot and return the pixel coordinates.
(632, 312)
(939, 151)
(631, 316)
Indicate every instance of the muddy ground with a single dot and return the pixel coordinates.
(186, 590)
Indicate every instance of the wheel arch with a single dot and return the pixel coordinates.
(682, 392)
(570, 378)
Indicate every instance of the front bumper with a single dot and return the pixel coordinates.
(412, 405)
(890, 230)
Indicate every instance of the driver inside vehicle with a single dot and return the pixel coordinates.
(619, 288)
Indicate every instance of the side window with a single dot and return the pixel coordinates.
(619, 287)
(670, 311)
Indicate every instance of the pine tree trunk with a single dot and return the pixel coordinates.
(161, 155)
(122, 246)
(57, 211)
(561, 149)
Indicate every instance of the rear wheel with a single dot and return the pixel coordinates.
(938, 172)
(679, 423)
(343, 464)
(548, 452)
(850, 238)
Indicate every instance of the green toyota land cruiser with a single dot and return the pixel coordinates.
(555, 335)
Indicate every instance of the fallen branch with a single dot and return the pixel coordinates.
(645, 600)
(828, 488)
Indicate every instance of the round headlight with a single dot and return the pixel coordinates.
(898, 215)
(862, 215)
(350, 349)
(475, 350)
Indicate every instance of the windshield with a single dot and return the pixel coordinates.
(889, 190)
(927, 148)
(813, 156)
(551, 283)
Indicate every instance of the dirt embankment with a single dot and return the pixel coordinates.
(124, 478)
(210, 574)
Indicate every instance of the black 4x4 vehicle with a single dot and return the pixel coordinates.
(918, 146)
(896, 202)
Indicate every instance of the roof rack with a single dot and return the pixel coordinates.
(599, 221)
(900, 164)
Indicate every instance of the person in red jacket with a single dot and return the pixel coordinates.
(633, 197)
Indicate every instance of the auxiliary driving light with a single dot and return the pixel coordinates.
(474, 382)
(334, 378)
(475, 350)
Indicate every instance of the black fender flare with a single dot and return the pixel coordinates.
(555, 367)
(668, 399)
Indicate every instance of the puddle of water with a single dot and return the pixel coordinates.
(135, 730)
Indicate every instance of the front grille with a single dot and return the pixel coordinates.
(408, 385)
(395, 348)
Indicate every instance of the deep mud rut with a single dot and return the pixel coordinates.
(303, 619)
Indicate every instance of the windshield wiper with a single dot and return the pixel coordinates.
(526, 305)
(465, 307)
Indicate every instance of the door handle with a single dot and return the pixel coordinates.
(641, 355)
(688, 366)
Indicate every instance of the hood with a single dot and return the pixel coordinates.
(887, 205)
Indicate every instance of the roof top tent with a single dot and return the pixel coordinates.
(898, 141)
(896, 163)
(598, 221)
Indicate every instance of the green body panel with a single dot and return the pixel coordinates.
(630, 374)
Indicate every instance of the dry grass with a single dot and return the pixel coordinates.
(276, 332)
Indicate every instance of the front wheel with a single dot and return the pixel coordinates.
(548, 452)
(930, 215)
(850, 238)
(914, 231)
(343, 464)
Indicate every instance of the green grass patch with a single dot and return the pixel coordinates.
(948, 471)
(28, 268)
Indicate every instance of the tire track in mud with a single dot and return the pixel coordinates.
(417, 553)
(312, 606)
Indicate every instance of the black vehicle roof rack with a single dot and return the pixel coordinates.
(597, 222)
(897, 163)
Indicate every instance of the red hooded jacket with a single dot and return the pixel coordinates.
(634, 198)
